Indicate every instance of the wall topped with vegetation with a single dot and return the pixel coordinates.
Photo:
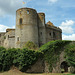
(24, 58)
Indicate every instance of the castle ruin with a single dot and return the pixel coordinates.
(30, 26)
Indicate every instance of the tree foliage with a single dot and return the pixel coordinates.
(21, 58)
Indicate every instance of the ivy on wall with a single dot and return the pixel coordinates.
(52, 51)
(70, 54)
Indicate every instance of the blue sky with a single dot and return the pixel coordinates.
(60, 12)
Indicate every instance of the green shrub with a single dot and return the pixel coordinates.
(25, 58)
(21, 58)
(2, 57)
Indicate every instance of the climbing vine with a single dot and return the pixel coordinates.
(52, 51)
(70, 54)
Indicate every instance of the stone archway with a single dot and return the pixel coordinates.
(64, 66)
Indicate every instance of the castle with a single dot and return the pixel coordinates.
(30, 26)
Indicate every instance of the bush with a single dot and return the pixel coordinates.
(25, 58)
(2, 57)
(21, 58)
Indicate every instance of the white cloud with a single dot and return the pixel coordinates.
(67, 23)
(10, 6)
(68, 37)
(52, 1)
(67, 27)
(13, 26)
(3, 28)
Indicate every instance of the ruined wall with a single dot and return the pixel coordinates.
(53, 33)
(57, 68)
(2, 37)
(26, 27)
(38, 67)
(9, 42)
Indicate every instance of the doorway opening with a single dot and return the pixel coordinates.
(64, 67)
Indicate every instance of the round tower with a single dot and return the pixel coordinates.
(26, 27)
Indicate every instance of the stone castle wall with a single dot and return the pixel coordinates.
(2, 38)
(9, 42)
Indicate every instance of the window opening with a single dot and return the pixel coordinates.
(41, 33)
(50, 34)
(54, 35)
(17, 38)
(20, 21)
(27, 11)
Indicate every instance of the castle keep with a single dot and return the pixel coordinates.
(30, 26)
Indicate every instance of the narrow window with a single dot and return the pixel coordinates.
(50, 34)
(20, 21)
(54, 35)
(17, 38)
(41, 33)
(27, 11)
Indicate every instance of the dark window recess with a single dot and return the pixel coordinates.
(8, 36)
(54, 35)
(21, 21)
(17, 38)
(50, 34)
(6, 31)
(41, 33)
(27, 11)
